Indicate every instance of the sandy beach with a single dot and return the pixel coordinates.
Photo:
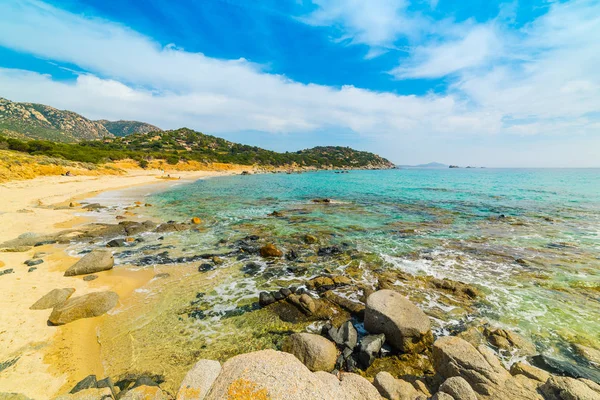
(49, 358)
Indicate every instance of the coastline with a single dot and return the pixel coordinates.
(57, 357)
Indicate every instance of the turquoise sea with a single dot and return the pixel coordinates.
(529, 239)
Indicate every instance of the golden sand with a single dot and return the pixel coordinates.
(49, 359)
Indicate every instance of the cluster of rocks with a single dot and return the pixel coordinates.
(65, 308)
(313, 366)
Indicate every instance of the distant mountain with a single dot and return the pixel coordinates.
(125, 128)
(429, 165)
(38, 121)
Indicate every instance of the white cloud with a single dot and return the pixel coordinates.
(478, 46)
(376, 23)
(544, 83)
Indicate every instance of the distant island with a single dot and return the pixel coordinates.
(428, 165)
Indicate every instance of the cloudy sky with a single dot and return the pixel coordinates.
(487, 83)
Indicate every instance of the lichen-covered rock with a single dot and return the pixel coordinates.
(405, 326)
(458, 388)
(314, 351)
(144, 393)
(96, 261)
(199, 380)
(86, 306)
(52, 299)
(266, 375)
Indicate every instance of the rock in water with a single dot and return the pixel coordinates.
(96, 261)
(269, 250)
(370, 347)
(316, 352)
(345, 336)
(86, 306)
(199, 380)
(405, 326)
(52, 299)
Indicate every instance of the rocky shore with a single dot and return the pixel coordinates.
(338, 336)
(331, 365)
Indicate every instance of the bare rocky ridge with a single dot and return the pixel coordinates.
(39, 121)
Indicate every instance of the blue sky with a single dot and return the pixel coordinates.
(493, 83)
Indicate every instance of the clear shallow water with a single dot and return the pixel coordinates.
(529, 239)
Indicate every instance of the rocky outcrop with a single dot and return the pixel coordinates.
(199, 380)
(405, 326)
(314, 351)
(96, 261)
(52, 299)
(86, 306)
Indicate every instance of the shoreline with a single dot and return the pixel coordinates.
(58, 357)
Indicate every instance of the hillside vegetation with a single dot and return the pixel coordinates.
(188, 145)
(123, 128)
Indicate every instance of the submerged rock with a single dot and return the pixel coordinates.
(405, 326)
(269, 250)
(314, 351)
(86, 306)
(52, 299)
(96, 261)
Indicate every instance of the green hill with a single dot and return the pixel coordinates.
(124, 128)
(70, 136)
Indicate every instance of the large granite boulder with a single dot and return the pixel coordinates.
(458, 388)
(96, 261)
(395, 389)
(144, 393)
(275, 375)
(565, 388)
(199, 380)
(405, 326)
(314, 351)
(52, 299)
(266, 374)
(86, 306)
(453, 356)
